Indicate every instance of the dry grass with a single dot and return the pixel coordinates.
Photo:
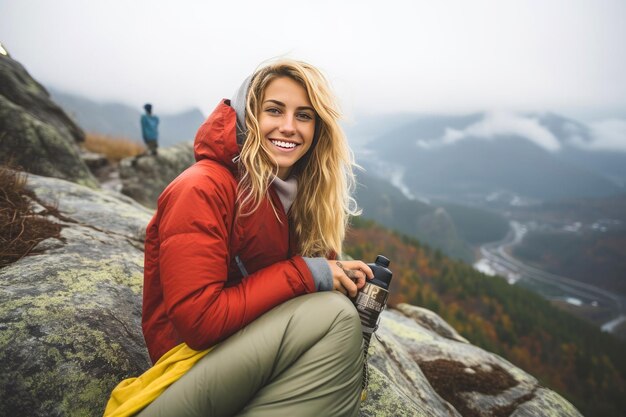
(114, 149)
(20, 229)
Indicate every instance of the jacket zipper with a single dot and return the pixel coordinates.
(241, 266)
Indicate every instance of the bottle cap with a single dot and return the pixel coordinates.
(382, 275)
(382, 261)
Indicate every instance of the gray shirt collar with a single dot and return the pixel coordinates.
(286, 190)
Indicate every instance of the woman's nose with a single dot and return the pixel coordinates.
(287, 126)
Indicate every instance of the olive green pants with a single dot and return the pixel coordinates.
(302, 358)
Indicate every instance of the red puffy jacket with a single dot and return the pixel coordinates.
(194, 291)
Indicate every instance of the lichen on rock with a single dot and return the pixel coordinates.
(71, 316)
(70, 321)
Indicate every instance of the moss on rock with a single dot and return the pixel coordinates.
(70, 321)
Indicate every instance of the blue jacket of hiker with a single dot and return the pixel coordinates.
(149, 127)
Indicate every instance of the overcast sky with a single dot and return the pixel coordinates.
(381, 56)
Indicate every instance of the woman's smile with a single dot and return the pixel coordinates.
(284, 145)
(287, 121)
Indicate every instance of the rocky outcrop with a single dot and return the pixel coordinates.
(34, 132)
(70, 329)
(70, 316)
(144, 178)
(433, 371)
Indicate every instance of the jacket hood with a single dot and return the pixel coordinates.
(217, 136)
(222, 135)
(239, 104)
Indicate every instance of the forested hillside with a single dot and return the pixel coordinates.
(597, 258)
(566, 354)
(583, 239)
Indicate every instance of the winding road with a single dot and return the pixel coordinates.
(496, 259)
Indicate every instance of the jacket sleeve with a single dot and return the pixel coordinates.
(193, 260)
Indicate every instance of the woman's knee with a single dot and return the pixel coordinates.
(345, 308)
(333, 304)
(341, 316)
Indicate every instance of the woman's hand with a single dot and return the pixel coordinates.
(349, 276)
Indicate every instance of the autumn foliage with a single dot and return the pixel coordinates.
(569, 355)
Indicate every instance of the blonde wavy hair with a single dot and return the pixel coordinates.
(323, 204)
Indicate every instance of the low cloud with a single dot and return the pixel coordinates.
(499, 124)
(397, 180)
(607, 135)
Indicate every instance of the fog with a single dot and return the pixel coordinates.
(381, 57)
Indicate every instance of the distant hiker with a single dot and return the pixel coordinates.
(243, 294)
(150, 129)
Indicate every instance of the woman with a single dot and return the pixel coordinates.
(236, 255)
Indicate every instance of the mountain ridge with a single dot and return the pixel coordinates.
(122, 120)
(465, 158)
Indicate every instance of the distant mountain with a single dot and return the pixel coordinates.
(117, 119)
(180, 127)
(385, 204)
(576, 139)
(452, 229)
(612, 165)
(469, 158)
(475, 225)
(364, 127)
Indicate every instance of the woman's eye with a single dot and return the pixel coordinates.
(272, 110)
(304, 116)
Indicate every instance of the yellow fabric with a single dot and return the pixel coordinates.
(132, 395)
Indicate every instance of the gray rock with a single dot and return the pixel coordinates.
(432, 321)
(34, 132)
(93, 160)
(545, 403)
(401, 362)
(70, 316)
(70, 321)
(144, 178)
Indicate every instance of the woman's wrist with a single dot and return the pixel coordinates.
(322, 275)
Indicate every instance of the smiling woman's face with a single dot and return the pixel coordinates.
(287, 122)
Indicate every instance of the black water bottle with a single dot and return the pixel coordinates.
(370, 301)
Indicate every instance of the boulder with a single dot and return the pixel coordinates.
(34, 132)
(418, 370)
(70, 320)
(145, 177)
(70, 317)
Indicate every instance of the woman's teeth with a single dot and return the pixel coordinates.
(282, 144)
